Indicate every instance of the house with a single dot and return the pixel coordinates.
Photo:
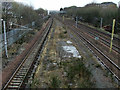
(119, 4)
(108, 5)
(102, 5)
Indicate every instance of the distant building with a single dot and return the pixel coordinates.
(108, 5)
(92, 5)
(62, 12)
(119, 4)
(103, 5)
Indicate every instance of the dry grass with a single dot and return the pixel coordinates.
(54, 75)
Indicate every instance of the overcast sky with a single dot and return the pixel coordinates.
(57, 4)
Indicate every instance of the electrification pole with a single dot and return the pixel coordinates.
(5, 40)
(101, 23)
(76, 21)
(112, 35)
(63, 18)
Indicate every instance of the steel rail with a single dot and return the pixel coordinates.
(22, 64)
(117, 67)
(109, 60)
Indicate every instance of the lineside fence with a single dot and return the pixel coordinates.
(12, 36)
(15, 34)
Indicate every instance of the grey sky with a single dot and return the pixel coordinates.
(57, 4)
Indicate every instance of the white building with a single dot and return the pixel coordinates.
(119, 4)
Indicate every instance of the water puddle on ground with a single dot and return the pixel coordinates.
(71, 50)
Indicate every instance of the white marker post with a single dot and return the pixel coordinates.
(63, 18)
(76, 21)
(5, 40)
(101, 23)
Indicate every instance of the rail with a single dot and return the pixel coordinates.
(25, 62)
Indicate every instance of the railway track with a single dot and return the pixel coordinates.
(103, 37)
(103, 40)
(101, 44)
(105, 60)
(93, 48)
(97, 32)
(25, 68)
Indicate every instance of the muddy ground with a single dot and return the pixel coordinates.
(65, 64)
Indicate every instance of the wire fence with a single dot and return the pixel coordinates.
(12, 36)
(16, 34)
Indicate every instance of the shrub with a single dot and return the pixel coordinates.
(55, 82)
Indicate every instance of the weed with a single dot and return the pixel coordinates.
(76, 67)
(35, 82)
(97, 65)
(55, 82)
(61, 35)
(65, 32)
(85, 84)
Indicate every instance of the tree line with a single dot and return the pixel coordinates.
(93, 14)
(21, 14)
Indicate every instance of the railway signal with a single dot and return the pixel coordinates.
(112, 35)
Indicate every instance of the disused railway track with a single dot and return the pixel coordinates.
(105, 60)
(20, 75)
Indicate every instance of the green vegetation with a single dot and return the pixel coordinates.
(63, 34)
(93, 14)
(85, 84)
(98, 65)
(77, 73)
(22, 14)
(55, 82)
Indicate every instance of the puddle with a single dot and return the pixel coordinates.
(72, 50)
(69, 42)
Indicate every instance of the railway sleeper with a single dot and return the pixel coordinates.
(17, 78)
(15, 83)
(23, 70)
(20, 74)
(13, 87)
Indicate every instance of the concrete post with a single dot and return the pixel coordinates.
(101, 23)
(5, 40)
(76, 21)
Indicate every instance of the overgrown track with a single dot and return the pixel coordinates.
(88, 40)
(21, 73)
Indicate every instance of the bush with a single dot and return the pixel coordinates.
(77, 68)
(55, 82)
(94, 14)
